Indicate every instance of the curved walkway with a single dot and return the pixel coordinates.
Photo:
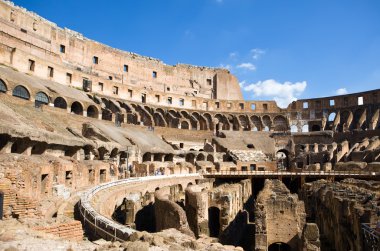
(99, 225)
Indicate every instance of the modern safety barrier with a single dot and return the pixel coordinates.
(103, 226)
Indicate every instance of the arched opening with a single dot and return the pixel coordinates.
(293, 128)
(244, 122)
(315, 128)
(185, 125)
(20, 146)
(210, 158)
(3, 86)
(106, 115)
(267, 122)
(200, 157)
(21, 92)
(280, 123)
(77, 108)
(279, 246)
(60, 102)
(145, 219)
(147, 157)
(92, 112)
(190, 158)
(331, 116)
(256, 122)
(158, 120)
(39, 148)
(168, 157)
(41, 99)
(305, 128)
(282, 157)
(214, 221)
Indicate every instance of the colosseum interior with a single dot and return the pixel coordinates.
(102, 149)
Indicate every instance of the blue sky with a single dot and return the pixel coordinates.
(278, 49)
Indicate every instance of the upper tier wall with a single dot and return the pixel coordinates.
(33, 45)
(26, 36)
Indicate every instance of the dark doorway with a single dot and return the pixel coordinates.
(213, 221)
(145, 219)
(279, 246)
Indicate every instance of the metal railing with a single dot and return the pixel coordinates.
(371, 236)
(291, 173)
(109, 228)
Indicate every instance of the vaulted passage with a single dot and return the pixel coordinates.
(279, 246)
(145, 219)
(213, 221)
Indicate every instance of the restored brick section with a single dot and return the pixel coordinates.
(70, 230)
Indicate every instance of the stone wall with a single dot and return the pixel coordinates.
(339, 208)
(71, 230)
(279, 217)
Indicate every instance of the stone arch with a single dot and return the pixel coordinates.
(42, 98)
(109, 104)
(114, 153)
(279, 246)
(190, 157)
(3, 86)
(244, 122)
(282, 157)
(102, 151)
(145, 116)
(344, 120)
(173, 118)
(185, 125)
(169, 157)
(305, 128)
(293, 128)
(106, 114)
(21, 91)
(234, 121)
(201, 157)
(60, 102)
(332, 117)
(357, 116)
(77, 108)
(210, 158)
(280, 123)
(159, 120)
(20, 145)
(92, 112)
(267, 122)
(256, 121)
(147, 157)
(208, 119)
(223, 121)
(202, 121)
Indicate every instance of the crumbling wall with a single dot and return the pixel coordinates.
(339, 208)
(168, 214)
(279, 217)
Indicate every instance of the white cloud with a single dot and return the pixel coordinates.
(341, 91)
(282, 93)
(233, 54)
(247, 66)
(242, 84)
(256, 53)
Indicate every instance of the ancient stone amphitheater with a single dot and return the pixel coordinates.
(102, 149)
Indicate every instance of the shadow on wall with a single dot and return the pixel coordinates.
(239, 232)
(145, 219)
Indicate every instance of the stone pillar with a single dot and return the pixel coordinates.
(7, 148)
